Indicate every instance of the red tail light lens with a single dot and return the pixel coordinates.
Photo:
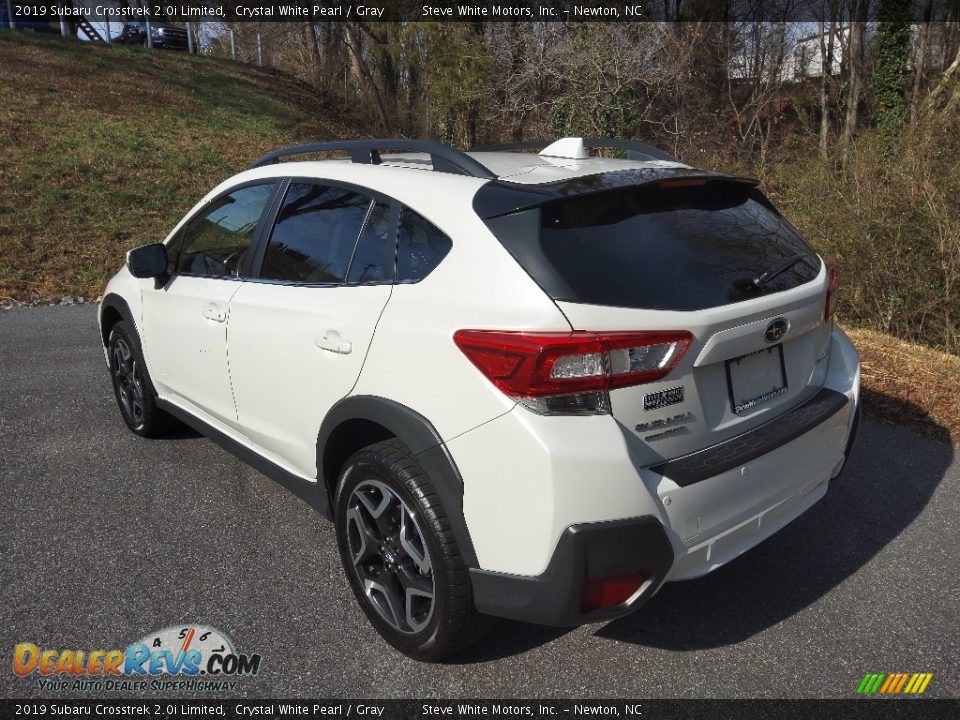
(831, 294)
(604, 592)
(537, 364)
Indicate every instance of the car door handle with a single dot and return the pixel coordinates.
(213, 312)
(331, 340)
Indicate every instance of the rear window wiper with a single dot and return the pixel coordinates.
(778, 269)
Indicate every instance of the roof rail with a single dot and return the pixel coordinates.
(635, 150)
(443, 157)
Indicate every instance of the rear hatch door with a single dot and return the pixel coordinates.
(705, 254)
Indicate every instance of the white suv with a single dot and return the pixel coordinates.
(533, 386)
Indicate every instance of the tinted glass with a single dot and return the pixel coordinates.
(375, 255)
(420, 247)
(663, 248)
(315, 234)
(217, 242)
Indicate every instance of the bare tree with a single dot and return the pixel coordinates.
(827, 35)
(361, 70)
(946, 95)
(856, 72)
(755, 82)
(920, 59)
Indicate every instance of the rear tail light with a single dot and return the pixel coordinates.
(834, 285)
(604, 592)
(571, 372)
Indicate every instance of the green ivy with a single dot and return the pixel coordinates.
(892, 56)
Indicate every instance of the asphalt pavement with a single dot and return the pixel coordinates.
(105, 537)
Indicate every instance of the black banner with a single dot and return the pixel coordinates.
(650, 709)
(464, 11)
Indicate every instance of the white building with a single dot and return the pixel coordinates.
(807, 58)
(775, 55)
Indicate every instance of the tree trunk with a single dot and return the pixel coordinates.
(945, 82)
(313, 40)
(920, 61)
(363, 74)
(826, 65)
(856, 46)
(951, 34)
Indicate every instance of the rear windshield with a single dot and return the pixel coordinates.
(685, 247)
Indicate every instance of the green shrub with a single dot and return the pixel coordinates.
(890, 223)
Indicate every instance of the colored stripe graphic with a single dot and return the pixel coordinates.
(867, 685)
(894, 683)
(891, 681)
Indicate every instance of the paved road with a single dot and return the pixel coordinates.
(105, 537)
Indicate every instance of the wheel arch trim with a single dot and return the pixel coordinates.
(112, 301)
(421, 438)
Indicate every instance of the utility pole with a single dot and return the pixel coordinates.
(10, 14)
(233, 46)
(149, 36)
(190, 38)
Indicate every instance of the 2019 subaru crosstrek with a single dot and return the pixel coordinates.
(526, 385)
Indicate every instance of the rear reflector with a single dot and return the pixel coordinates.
(831, 294)
(531, 365)
(604, 592)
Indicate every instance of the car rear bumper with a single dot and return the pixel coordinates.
(643, 545)
(728, 498)
(581, 473)
(741, 449)
(585, 550)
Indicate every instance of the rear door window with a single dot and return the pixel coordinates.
(315, 234)
(375, 256)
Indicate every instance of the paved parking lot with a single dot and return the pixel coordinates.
(105, 537)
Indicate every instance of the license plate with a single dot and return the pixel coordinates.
(756, 378)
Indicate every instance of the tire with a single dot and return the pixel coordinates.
(136, 398)
(395, 543)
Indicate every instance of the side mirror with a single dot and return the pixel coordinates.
(149, 261)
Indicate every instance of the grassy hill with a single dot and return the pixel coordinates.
(105, 148)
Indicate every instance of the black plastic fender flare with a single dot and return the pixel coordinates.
(423, 441)
(112, 301)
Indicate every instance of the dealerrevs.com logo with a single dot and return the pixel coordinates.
(180, 657)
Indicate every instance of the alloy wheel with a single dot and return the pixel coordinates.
(390, 556)
(128, 380)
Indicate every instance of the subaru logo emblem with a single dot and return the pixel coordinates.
(775, 330)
